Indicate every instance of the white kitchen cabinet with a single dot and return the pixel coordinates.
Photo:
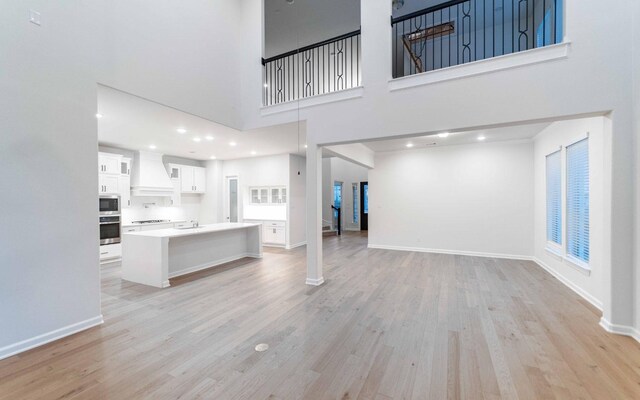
(109, 163)
(193, 179)
(174, 171)
(108, 184)
(254, 195)
(274, 233)
(268, 195)
(124, 183)
(125, 166)
(278, 195)
(131, 229)
(110, 252)
(125, 190)
(264, 195)
(176, 195)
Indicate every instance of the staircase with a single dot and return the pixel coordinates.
(327, 230)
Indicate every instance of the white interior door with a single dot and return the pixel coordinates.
(232, 199)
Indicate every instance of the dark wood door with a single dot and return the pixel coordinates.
(364, 206)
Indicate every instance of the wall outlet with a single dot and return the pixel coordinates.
(34, 17)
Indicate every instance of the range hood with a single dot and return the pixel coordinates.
(149, 177)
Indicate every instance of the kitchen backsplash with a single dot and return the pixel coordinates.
(144, 208)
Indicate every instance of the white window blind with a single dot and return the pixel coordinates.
(554, 198)
(578, 200)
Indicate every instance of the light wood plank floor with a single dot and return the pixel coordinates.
(386, 325)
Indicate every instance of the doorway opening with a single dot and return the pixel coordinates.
(364, 206)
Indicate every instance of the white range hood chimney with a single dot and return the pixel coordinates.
(149, 177)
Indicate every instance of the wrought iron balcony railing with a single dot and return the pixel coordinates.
(325, 67)
(462, 31)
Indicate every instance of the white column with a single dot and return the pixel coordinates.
(314, 215)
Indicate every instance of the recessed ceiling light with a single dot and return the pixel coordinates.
(265, 85)
(196, 139)
(213, 157)
(152, 147)
(409, 145)
(98, 115)
(305, 146)
(253, 153)
(232, 144)
(209, 138)
(443, 134)
(481, 138)
(181, 130)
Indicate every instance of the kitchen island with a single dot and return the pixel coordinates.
(153, 257)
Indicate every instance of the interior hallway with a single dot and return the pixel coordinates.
(385, 325)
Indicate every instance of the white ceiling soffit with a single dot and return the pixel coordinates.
(135, 123)
(519, 132)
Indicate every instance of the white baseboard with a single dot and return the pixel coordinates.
(211, 265)
(315, 282)
(453, 252)
(620, 329)
(48, 337)
(293, 246)
(579, 291)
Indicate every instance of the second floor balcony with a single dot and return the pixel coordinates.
(425, 36)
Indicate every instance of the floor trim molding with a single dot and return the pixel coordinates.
(48, 337)
(315, 282)
(299, 244)
(620, 329)
(579, 291)
(452, 252)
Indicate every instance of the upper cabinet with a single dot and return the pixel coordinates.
(125, 182)
(193, 179)
(268, 195)
(125, 166)
(109, 163)
(114, 176)
(108, 184)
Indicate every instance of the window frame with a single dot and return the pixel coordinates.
(570, 257)
(561, 251)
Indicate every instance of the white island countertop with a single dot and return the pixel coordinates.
(153, 257)
(179, 232)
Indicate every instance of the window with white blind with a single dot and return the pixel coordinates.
(578, 201)
(554, 198)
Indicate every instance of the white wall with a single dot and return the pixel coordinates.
(564, 133)
(258, 171)
(540, 91)
(347, 173)
(49, 278)
(474, 198)
(183, 56)
(636, 136)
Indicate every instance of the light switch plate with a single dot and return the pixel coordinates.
(34, 17)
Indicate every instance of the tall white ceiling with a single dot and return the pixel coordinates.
(290, 26)
(134, 123)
